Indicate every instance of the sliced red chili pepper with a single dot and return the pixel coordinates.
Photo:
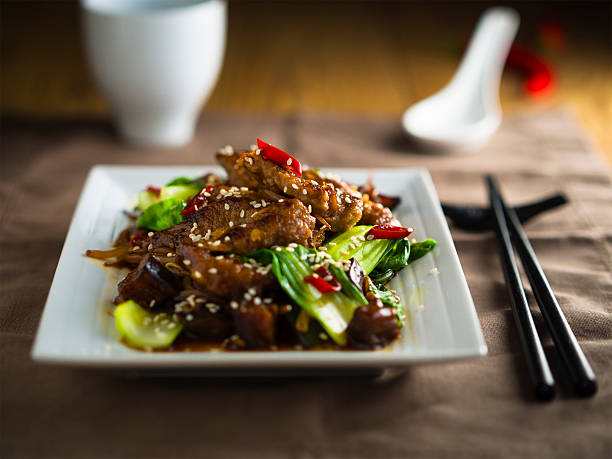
(388, 232)
(154, 189)
(280, 157)
(135, 239)
(323, 281)
(196, 201)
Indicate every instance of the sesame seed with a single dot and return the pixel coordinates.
(369, 237)
(219, 257)
(226, 239)
(281, 200)
(304, 191)
(257, 300)
(212, 270)
(323, 336)
(200, 244)
(227, 206)
(347, 200)
(234, 304)
(284, 189)
(332, 243)
(242, 213)
(294, 186)
(186, 262)
(267, 300)
(248, 297)
(289, 162)
(264, 203)
(188, 317)
(152, 303)
(150, 233)
(309, 209)
(290, 249)
(231, 223)
(278, 249)
(197, 274)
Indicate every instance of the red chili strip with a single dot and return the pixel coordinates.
(135, 239)
(388, 232)
(323, 281)
(196, 201)
(154, 189)
(280, 157)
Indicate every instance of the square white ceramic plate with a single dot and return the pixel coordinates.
(77, 329)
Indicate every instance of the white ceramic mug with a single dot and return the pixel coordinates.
(156, 61)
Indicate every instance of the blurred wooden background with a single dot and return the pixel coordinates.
(373, 58)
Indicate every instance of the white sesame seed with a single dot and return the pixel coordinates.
(226, 239)
(188, 317)
(257, 300)
(227, 206)
(304, 191)
(294, 186)
(234, 304)
(289, 162)
(369, 237)
(216, 243)
(332, 243)
(248, 297)
(242, 213)
(323, 336)
(212, 270)
(347, 200)
(309, 209)
(284, 189)
(231, 223)
(219, 257)
(267, 300)
(150, 233)
(197, 274)
(200, 244)
(278, 249)
(186, 262)
(290, 249)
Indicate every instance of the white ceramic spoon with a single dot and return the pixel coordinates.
(465, 114)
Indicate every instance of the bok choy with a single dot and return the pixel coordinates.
(334, 310)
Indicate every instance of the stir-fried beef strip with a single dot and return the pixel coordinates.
(149, 284)
(338, 208)
(203, 318)
(241, 224)
(225, 277)
(374, 213)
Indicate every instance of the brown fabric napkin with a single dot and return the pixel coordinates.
(475, 408)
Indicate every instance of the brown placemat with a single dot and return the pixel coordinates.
(476, 408)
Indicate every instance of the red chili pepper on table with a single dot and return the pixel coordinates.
(154, 189)
(323, 281)
(196, 201)
(280, 157)
(388, 232)
(539, 74)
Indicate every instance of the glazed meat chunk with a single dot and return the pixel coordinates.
(341, 210)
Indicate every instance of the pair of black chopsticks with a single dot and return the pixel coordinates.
(509, 230)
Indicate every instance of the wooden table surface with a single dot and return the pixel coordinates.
(346, 58)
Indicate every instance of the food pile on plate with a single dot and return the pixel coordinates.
(273, 256)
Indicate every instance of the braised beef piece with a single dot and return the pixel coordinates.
(241, 224)
(373, 326)
(225, 277)
(149, 284)
(341, 210)
(374, 213)
(388, 201)
(203, 318)
(256, 323)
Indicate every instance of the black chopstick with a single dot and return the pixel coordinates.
(537, 365)
(580, 372)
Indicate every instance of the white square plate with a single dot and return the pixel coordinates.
(77, 329)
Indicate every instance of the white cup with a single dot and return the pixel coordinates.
(156, 61)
